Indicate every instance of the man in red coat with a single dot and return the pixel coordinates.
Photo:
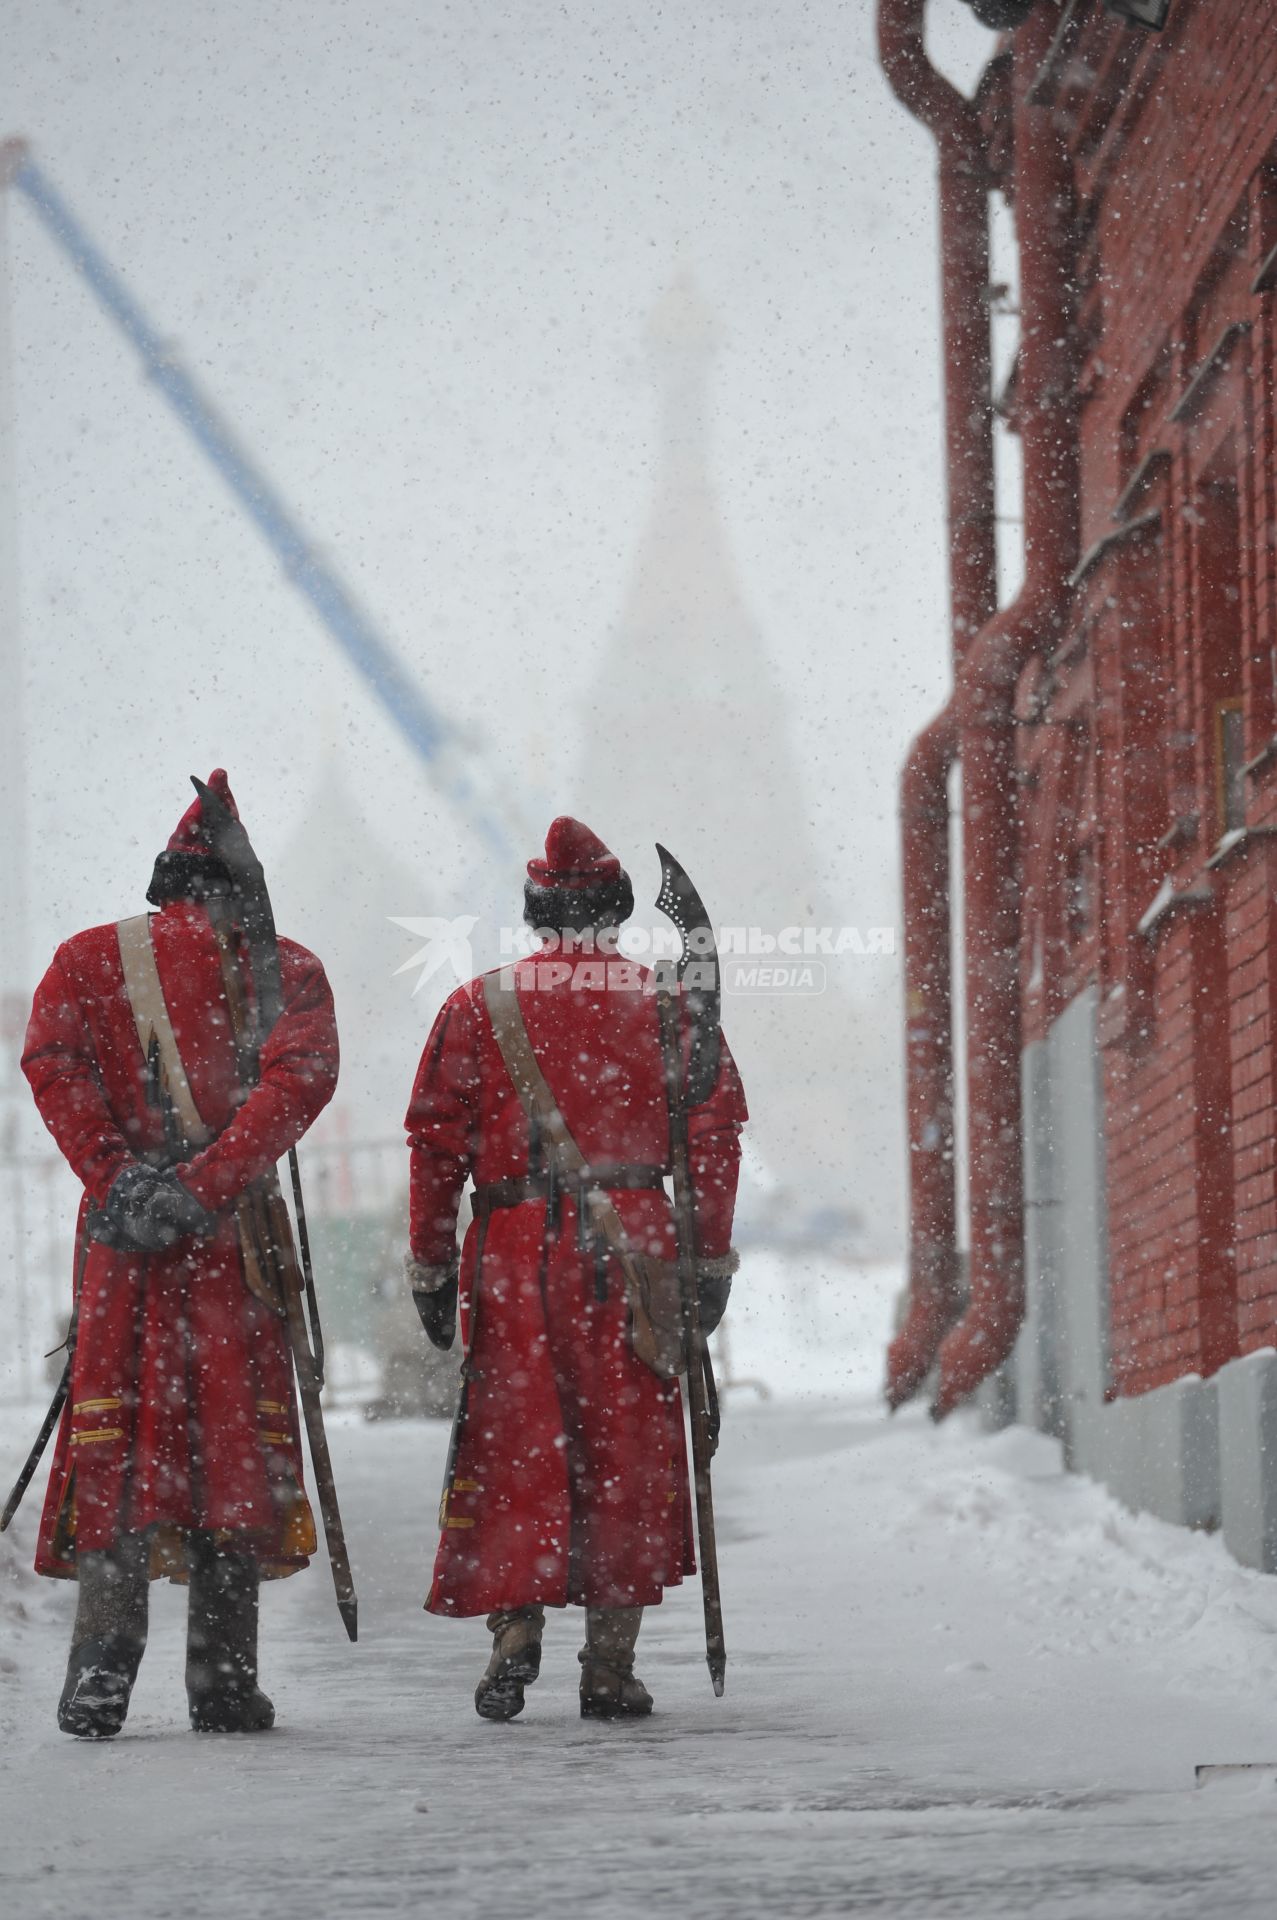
(179, 1449)
(568, 1483)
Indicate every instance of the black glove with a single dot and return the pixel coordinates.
(434, 1293)
(121, 1221)
(170, 1204)
(147, 1211)
(713, 1287)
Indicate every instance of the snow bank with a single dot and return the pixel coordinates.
(1145, 1591)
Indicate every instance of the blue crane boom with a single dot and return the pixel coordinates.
(422, 725)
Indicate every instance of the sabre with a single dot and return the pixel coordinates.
(700, 990)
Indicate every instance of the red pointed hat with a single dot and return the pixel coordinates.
(190, 836)
(574, 857)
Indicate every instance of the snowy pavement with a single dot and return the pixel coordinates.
(961, 1683)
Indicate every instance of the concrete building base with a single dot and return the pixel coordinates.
(1247, 1393)
(1158, 1452)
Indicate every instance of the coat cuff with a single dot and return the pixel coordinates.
(430, 1279)
(105, 1173)
(721, 1267)
(202, 1181)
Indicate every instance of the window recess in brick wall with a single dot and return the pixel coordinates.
(1230, 766)
(1207, 374)
(1218, 647)
(1144, 476)
(1079, 880)
(1259, 663)
(1264, 246)
(1133, 712)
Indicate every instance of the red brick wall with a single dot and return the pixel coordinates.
(1175, 141)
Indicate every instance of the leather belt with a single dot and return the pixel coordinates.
(538, 1186)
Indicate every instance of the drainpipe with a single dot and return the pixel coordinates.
(934, 1299)
(986, 1334)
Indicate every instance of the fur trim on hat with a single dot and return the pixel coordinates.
(577, 909)
(179, 874)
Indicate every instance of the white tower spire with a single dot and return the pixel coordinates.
(688, 740)
(683, 335)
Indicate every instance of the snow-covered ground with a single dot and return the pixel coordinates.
(961, 1683)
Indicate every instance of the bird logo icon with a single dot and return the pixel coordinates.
(447, 944)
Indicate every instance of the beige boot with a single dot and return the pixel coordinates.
(609, 1690)
(515, 1662)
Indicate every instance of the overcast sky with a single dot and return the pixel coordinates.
(410, 249)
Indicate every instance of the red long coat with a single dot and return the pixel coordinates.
(570, 1481)
(182, 1411)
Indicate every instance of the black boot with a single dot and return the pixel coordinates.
(610, 1689)
(515, 1662)
(107, 1640)
(221, 1642)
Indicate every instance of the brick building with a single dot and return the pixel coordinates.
(1116, 733)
